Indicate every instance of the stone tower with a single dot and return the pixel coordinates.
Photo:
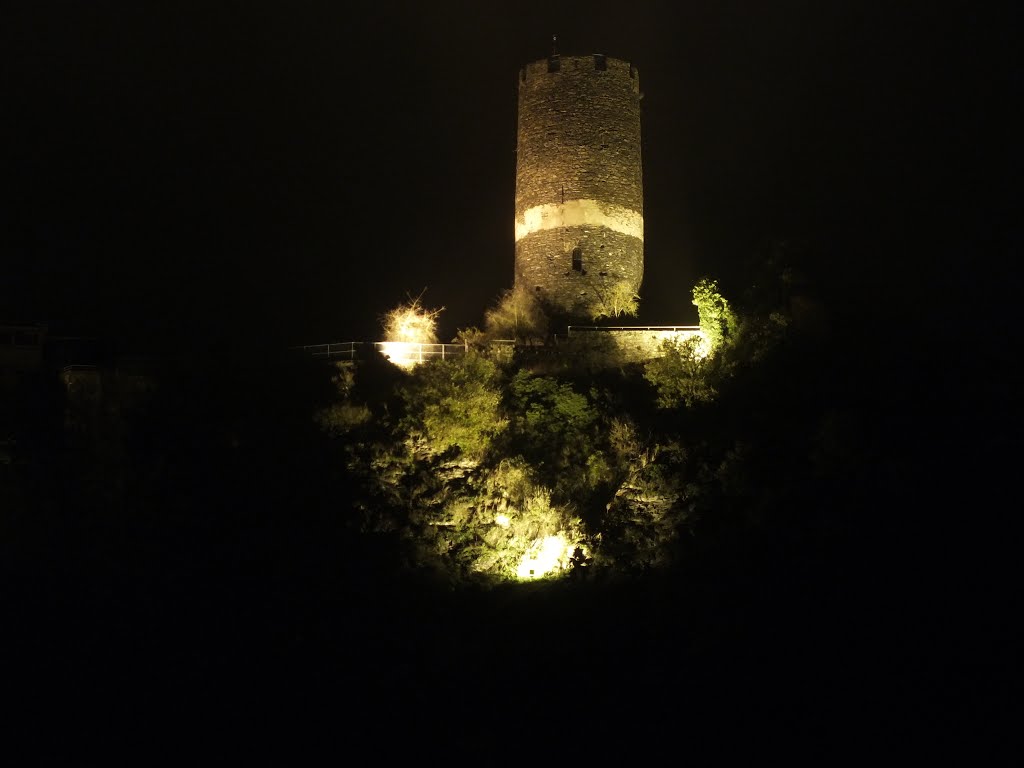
(579, 187)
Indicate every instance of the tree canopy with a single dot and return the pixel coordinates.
(486, 465)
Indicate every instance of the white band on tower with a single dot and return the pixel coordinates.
(574, 213)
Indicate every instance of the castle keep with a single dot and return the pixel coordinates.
(579, 224)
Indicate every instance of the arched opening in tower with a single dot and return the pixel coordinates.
(577, 260)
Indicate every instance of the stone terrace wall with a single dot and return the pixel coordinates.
(633, 345)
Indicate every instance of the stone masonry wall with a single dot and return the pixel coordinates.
(579, 186)
(632, 345)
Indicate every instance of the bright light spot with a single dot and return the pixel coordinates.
(552, 553)
(502, 520)
(404, 354)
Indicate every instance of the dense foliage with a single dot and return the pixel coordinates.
(775, 516)
(479, 462)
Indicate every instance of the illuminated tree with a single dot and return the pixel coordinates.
(717, 319)
(616, 300)
(557, 430)
(688, 371)
(454, 403)
(682, 375)
(516, 315)
(411, 322)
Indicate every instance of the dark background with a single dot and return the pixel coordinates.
(270, 174)
(228, 179)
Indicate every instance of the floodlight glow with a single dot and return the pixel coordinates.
(546, 555)
(404, 354)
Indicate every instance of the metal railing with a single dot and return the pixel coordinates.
(418, 352)
(415, 351)
(345, 350)
(606, 328)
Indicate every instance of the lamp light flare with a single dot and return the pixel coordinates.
(547, 555)
(404, 354)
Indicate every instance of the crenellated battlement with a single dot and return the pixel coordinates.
(597, 65)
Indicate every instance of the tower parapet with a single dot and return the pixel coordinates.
(579, 183)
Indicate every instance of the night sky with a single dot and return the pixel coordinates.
(283, 173)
